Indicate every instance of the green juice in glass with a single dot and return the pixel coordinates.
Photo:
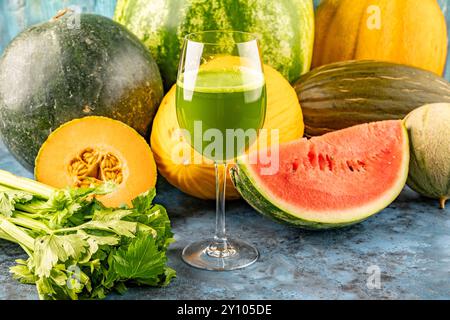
(229, 98)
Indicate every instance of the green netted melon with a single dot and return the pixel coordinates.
(429, 135)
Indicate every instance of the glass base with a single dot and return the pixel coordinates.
(212, 255)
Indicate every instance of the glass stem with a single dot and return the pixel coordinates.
(220, 248)
(221, 182)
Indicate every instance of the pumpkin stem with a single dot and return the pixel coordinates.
(442, 201)
(62, 13)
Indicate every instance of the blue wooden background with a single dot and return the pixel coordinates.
(15, 15)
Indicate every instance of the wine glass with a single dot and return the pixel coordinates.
(221, 105)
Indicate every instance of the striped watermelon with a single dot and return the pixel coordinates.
(286, 28)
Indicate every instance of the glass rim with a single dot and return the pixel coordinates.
(253, 36)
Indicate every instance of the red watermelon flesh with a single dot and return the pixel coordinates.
(338, 178)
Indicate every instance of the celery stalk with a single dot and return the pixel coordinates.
(16, 233)
(26, 222)
(78, 248)
(6, 237)
(19, 183)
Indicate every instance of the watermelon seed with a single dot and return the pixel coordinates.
(322, 162)
(295, 165)
(357, 165)
(361, 165)
(312, 157)
(330, 162)
(349, 165)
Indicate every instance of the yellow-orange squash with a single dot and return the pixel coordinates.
(411, 32)
(175, 158)
(95, 149)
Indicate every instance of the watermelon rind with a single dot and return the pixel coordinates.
(261, 200)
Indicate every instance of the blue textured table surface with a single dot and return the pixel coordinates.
(409, 242)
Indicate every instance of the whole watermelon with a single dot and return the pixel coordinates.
(74, 66)
(286, 28)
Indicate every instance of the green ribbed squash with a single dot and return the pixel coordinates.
(429, 135)
(286, 28)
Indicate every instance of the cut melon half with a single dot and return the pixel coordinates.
(93, 150)
(331, 181)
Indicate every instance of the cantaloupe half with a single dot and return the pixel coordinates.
(91, 150)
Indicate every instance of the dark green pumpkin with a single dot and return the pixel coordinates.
(71, 67)
(344, 94)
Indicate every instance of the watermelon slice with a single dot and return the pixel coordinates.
(331, 181)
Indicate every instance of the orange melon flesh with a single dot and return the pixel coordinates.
(121, 154)
(341, 177)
